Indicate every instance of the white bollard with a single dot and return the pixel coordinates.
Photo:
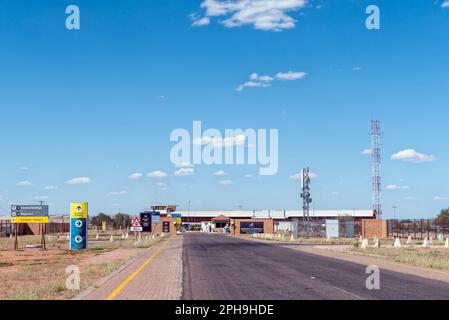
(126, 235)
(376, 243)
(364, 244)
(97, 237)
(68, 236)
(360, 239)
(292, 238)
(425, 243)
(123, 236)
(446, 245)
(409, 240)
(375, 240)
(111, 239)
(397, 243)
(430, 241)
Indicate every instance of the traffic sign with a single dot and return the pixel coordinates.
(136, 226)
(78, 225)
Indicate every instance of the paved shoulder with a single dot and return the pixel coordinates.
(157, 275)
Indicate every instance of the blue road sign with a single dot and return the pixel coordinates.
(78, 234)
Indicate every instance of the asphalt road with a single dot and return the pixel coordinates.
(218, 267)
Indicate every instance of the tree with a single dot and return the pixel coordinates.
(99, 218)
(444, 214)
(121, 220)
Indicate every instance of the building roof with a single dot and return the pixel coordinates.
(221, 218)
(276, 214)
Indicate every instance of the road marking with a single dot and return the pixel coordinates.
(131, 277)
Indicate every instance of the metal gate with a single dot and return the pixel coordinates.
(332, 230)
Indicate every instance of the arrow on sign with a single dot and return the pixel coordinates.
(78, 223)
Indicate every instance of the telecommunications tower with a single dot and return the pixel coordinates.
(306, 200)
(375, 150)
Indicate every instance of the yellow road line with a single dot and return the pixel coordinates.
(131, 277)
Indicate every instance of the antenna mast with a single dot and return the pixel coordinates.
(375, 150)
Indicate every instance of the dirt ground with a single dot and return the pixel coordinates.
(33, 274)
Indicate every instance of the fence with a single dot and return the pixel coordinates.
(6, 228)
(419, 228)
(344, 227)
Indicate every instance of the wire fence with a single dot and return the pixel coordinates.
(419, 228)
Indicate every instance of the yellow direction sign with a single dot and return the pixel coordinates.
(78, 210)
(103, 226)
(29, 219)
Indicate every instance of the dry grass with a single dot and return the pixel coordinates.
(33, 274)
(422, 257)
(317, 241)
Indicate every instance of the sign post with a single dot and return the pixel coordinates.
(136, 226)
(28, 214)
(78, 225)
(146, 220)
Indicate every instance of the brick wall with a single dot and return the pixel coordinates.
(268, 225)
(374, 228)
(157, 228)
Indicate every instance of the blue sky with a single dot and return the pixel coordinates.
(100, 103)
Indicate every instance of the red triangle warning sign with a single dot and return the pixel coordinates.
(136, 223)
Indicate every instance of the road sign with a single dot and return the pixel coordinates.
(78, 225)
(145, 218)
(29, 213)
(103, 226)
(136, 226)
(166, 227)
(155, 217)
(29, 219)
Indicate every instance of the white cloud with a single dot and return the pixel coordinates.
(219, 142)
(445, 4)
(38, 198)
(220, 173)
(79, 180)
(199, 22)
(396, 187)
(226, 183)
(267, 15)
(184, 172)
(367, 152)
(24, 168)
(248, 175)
(409, 198)
(290, 75)
(156, 174)
(298, 176)
(135, 176)
(184, 165)
(253, 84)
(439, 198)
(117, 193)
(24, 184)
(411, 155)
(356, 68)
(161, 184)
(51, 188)
(256, 81)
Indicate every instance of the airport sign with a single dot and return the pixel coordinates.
(29, 214)
(78, 225)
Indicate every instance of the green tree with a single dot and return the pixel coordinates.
(99, 218)
(444, 214)
(121, 220)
